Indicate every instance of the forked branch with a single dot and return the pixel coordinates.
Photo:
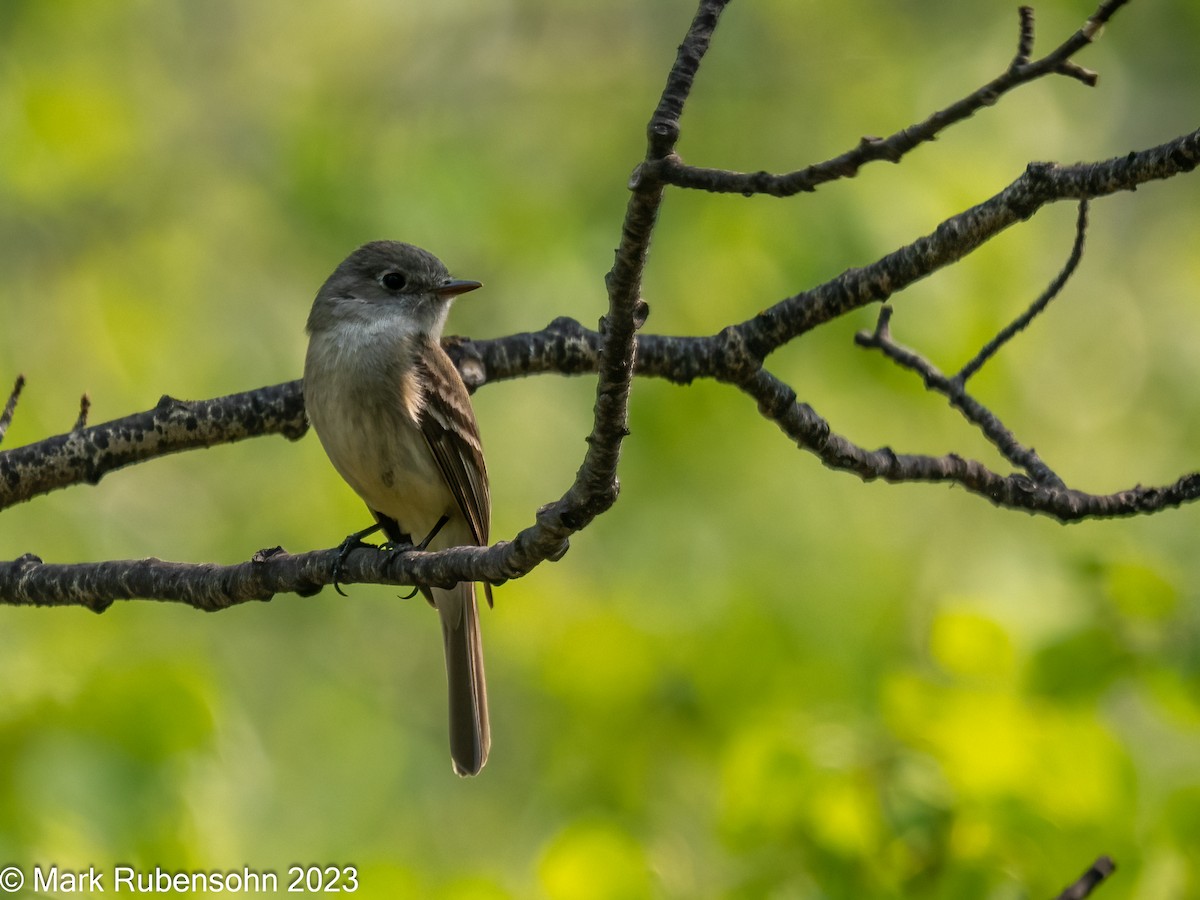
(617, 351)
(1021, 70)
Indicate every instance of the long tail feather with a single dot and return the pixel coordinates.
(470, 736)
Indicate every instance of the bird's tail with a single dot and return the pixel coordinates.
(470, 736)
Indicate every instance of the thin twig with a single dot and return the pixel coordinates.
(1020, 71)
(956, 237)
(954, 388)
(1083, 886)
(85, 406)
(595, 487)
(800, 422)
(997, 433)
(1022, 321)
(11, 406)
(1025, 40)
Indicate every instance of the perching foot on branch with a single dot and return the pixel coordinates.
(407, 546)
(352, 542)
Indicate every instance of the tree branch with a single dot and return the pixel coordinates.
(11, 406)
(960, 235)
(88, 454)
(810, 431)
(672, 170)
(1022, 321)
(616, 352)
(28, 581)
(952, 388)
(85, 455)
(1082, 887)
(566, 347)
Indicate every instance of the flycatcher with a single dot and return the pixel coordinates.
(395, 419)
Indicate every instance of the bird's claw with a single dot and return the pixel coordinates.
(352, 542)
(397, 548)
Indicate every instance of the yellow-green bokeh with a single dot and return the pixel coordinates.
(754, 677)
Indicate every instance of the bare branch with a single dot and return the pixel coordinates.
(85, 406)
(565, 346)
(732, 355)
(1025, 41)
(28, 581)
(1041, 183)
(87, 455)
(672, 170)
(11, 406)
(952, 388)
(663, 130)
(1022, 321)
(800, 422)
(1082, 887)
(616, 352)
(174, 425)
(595, 487)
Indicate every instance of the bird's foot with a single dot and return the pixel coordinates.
(352, 542)
(407, 546)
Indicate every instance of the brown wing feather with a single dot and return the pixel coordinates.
(448, 424)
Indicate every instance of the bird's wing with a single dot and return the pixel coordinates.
(448, 424)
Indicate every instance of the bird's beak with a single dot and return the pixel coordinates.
(454, 287)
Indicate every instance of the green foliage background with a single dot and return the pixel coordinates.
(754, 677)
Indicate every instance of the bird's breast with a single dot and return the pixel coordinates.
(365, 407)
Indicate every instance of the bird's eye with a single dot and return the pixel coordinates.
(394, 281)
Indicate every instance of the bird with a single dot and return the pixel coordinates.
(395, 419)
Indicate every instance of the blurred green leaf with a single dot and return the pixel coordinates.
(1079, 666)
(1140, 591)
(594, 861)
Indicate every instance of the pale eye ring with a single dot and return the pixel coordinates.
(393, 281)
